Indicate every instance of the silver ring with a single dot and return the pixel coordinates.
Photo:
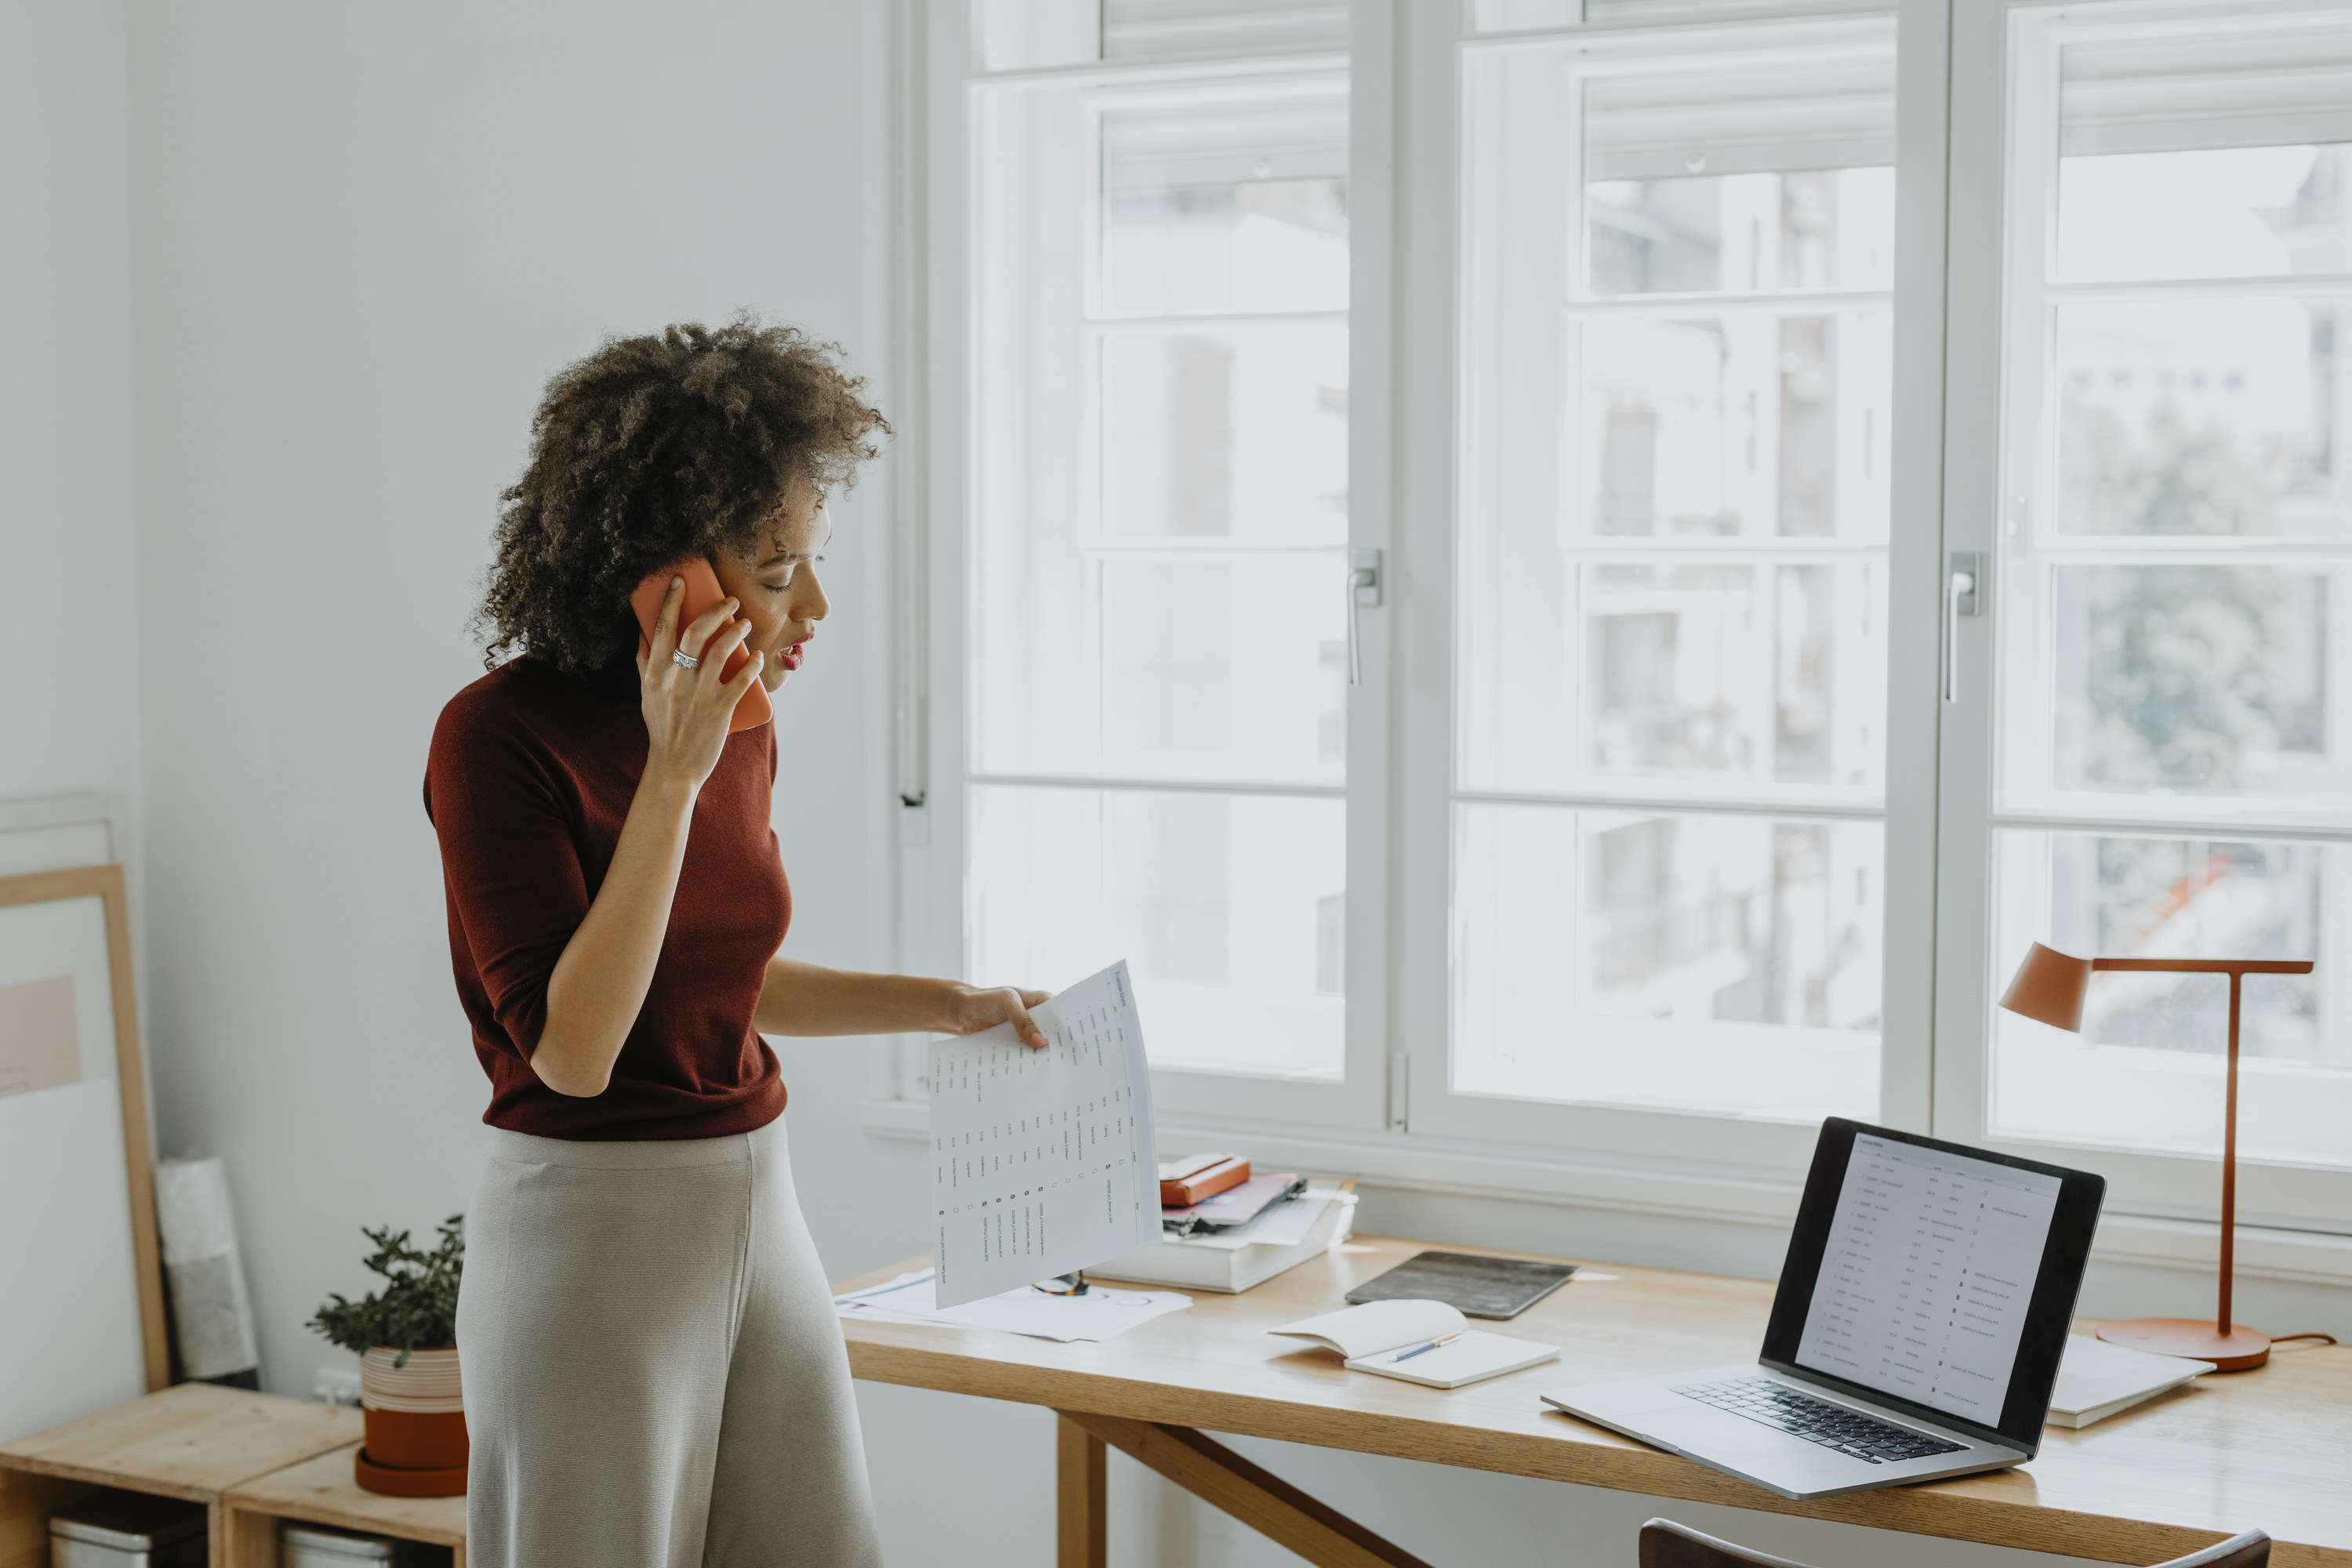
(684, 660)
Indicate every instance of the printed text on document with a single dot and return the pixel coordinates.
(1043, 1160)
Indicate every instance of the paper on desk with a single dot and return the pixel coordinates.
(1284, 1223)
(1100, 1314)
(890, 1298)
(1042, 1161)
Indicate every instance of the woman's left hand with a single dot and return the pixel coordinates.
(971, 1008)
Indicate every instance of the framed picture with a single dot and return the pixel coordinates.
(77, 1198)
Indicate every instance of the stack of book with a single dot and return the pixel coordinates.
(1225, 1229)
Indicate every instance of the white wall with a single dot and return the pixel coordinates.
(359, 241)
(365, 236)
(65, 406)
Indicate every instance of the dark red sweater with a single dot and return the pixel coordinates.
(529, 779)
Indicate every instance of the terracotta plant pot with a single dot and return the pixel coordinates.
(416, 1418)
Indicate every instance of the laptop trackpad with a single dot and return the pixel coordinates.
(1695, 1428)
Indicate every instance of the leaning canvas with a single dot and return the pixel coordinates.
(74, 1183)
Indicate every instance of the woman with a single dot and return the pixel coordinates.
(654, 1373)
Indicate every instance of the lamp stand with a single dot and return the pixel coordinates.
(2230, 1347)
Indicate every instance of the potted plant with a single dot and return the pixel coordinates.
(406, 1336)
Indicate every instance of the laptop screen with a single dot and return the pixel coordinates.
(1929, 1269)
(1939, 1277)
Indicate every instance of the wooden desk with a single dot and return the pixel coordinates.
(2270, 1449)
(194, 1442)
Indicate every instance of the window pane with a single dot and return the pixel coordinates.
(1157, 548)
(1720, 964)
(1819, 229)
(1223, 664)
(2169, 624)
(2220, 212)
(2202, 679)
(1728, 676)
(1672, 690)
(1237, 204)
(1716, 437)
(2211, 416)
(1229, 911)
(2146, 1070)
(1736, 426)
(1269, 245)
(1671, 573)
(1697, 673)
(2170, 551)
(1235, 434)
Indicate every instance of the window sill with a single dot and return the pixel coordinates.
(2294, 1257)
(1658, 1191)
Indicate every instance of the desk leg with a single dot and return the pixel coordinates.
(1259, 1498)
(1082, 1498)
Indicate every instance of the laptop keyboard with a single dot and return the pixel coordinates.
(1818, 1421)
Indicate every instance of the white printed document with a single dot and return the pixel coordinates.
(1100, 1314)
(1042, 1162)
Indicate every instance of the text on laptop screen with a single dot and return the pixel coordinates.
(1927, 1275)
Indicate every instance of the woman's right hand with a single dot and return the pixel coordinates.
(687, 710)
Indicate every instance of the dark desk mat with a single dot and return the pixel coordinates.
(1475, 1287)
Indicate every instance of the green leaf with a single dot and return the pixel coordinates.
(418, 1303)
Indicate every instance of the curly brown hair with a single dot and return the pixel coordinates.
(653, 450)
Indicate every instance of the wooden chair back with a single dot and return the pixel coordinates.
(1665, 1544)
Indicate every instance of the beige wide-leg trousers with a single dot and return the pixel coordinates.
(654, 1373)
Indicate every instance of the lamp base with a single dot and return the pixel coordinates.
(2193, 1337)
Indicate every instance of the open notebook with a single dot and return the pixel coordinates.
(1395, 1339)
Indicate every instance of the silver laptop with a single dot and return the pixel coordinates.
(1917, 1333)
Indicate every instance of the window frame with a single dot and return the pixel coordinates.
(1393, 1119)
(1406, 65)
(935, 850)
(1439, 59)
(1996, 432)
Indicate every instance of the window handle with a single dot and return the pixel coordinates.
(1363, 592)
(1962, 579)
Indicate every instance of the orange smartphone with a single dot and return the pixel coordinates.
(702, 591)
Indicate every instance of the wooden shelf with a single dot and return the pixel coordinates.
(192, 1442)
(322, 1491)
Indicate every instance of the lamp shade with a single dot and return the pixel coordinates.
(2049, 987)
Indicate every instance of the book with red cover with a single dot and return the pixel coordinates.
(1183, 1182)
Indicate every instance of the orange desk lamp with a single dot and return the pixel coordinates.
(2048, 988)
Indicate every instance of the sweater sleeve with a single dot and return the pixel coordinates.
(517, 891)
